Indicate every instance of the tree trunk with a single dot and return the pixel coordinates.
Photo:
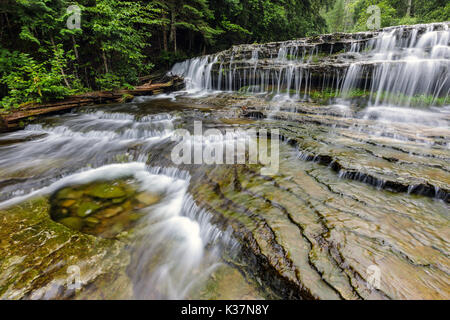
(105, 62)
(86, 77)
(75, 50)
(164, 29)
(8, 24)
(408, 9)
(175, 41)
(173, 30)
(60, 67)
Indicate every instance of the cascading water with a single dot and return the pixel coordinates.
(196, 72)
(404, 65)
(253, 68)
(175, 231)
(397, 66)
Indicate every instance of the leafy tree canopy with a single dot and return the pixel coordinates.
(41, 59)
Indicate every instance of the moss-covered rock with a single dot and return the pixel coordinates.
(105, 191)
(37, 253)
(87, 208)
(105, 208)
(72, 222)
(69, 193)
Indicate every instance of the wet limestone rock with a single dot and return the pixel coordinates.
(38, 258)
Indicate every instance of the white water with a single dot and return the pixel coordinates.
(196, 72)
(86, 139)
(402, 62)
(406, 115)
(404, 68)
(175, 231)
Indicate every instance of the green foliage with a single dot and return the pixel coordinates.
(420, 100)
(108, 81)
(354, 16)
(324, 96)
(28, 80)
(43, 60)
(262, 20)
(168, 58)
(433, 11)
(119, 34)
(123, 40)
(336, 17)
(407, 20)
(388, 14)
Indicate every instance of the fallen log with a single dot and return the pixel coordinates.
(16, 119)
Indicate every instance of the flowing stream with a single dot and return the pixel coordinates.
(362, 188)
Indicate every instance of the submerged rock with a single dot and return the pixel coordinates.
(87, 208)
(91, 222)
(110, 212)
(104, 209)
(68, 203)
(105, 191)
(69, 193)
(147, 198)
(72, 222)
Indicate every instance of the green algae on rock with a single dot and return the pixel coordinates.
(105, 208)
(105, 190)
(37, 253)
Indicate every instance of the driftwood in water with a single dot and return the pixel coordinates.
(13, 120)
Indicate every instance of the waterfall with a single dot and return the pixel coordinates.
(196, 72)
(254, 68)
(396, 66)
(404, 67)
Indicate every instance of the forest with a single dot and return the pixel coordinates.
(117, 42)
